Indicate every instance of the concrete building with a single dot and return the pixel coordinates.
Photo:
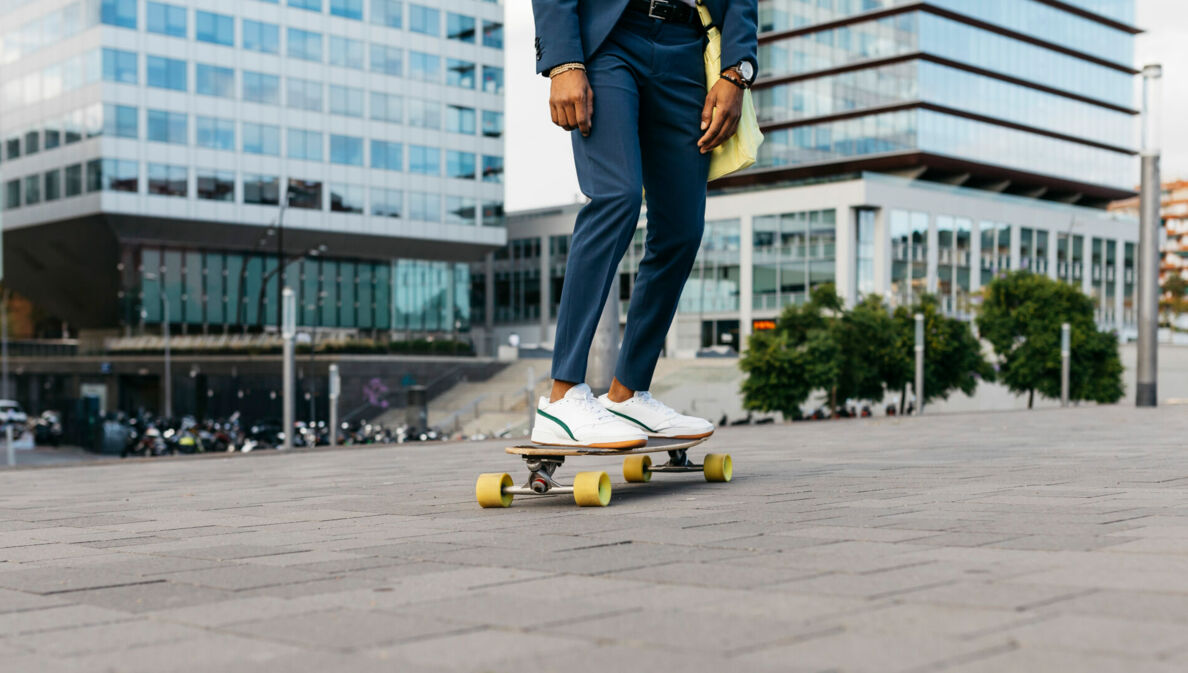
(910, 148)
(162, 161)
(1174, 251)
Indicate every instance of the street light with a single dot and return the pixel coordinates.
(1146, 375)
(167, 378)
(288, 333)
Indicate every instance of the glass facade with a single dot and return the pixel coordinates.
(1040, 89)
(297, 125)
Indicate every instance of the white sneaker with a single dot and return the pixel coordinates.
(656, 418)
(579, 420)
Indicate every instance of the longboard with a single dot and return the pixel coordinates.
(593, 489)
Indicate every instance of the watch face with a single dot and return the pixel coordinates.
(746, 70)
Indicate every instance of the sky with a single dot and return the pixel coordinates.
(539, 161)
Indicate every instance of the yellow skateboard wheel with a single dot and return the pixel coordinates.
(489, 490)
(636, 469)
(591, 489)
(718, 467)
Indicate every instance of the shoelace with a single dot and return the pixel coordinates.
(653, 403)
(594, 407)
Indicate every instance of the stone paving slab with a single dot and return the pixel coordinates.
(1053, 540)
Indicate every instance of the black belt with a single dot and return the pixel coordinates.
(665, 10)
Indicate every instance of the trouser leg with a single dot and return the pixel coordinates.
(610, 175)
(674, 176)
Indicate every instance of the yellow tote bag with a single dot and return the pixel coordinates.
(740, 150)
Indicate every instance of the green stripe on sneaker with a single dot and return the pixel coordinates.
(635, 421)
(558, 421)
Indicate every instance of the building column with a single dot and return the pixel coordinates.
(845, 255)
(545, 290)
(746, 281)
(489, 304)
(932, 282)
(1120, 283)
(882, 254)
(1016, 247)
(975, 256)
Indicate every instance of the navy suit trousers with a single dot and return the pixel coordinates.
(648, 79)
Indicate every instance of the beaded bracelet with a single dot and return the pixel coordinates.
(566, 67)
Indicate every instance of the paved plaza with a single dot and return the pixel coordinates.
(1053, 540)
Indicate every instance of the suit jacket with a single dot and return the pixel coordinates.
(570, 31)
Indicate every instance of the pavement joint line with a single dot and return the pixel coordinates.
(97, 588)
(965, 658)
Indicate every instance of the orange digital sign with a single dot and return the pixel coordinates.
(763, 325)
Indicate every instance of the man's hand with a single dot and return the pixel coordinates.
(571, 101)
(727, 98)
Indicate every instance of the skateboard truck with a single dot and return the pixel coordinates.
(540, 477)
(678, 461)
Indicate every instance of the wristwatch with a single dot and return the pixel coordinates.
(746, 71)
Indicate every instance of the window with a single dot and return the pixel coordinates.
(120, 13)
(493, 34)
(492, 124)
(259, 87)
(424, 160)
(53, 133)
(460, 164)
(460, 210)
(387, 13)
(346, 199)
(112, 175)
(311, 5)
(305, 45)
(32, 142)
(386, 202)
(12, 148)
(425, 67)
(492, 79)
(210, 80)
(346, 52)
(304, 94)
(387, 60)
(424, 113)
(387, 155)
(492, 168)
(92, 117)
(74, 180)
(165, 19)
(460, 27)
(345, 100)
(215, 133)
(164, 180)
(424, 20)
(214, 28)
(460, 119)
(348, 9)
(12, 194)
(261, 190)
(120, 66)
(347, 150)
(460, 73)
(261, 139)
(167, 127)
(216, 185)
(261, 37)
(166, 73)
(305, 145)
(305, 194)
(425, 207)
(121, 121)
(493, 215)
(32, 190)
(387, 107)
(53, 185)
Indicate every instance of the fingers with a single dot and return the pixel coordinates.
(581, 115)
(715, 128)
(707, 112)
(724, 133)
(571, 102)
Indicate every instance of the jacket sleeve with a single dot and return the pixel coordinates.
(558, 34)
(740, 32)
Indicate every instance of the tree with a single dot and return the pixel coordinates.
(953, 358)
(1021, 317)
(1176, 303)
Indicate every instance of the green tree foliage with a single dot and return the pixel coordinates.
(953, 357)
(1176, 301)
(857, 354)
(1021, 318)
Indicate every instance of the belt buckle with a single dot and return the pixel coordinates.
(663, 15)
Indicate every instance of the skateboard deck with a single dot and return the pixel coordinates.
(653, 446)
(593, 489)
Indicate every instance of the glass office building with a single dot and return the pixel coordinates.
(182, 161)
(911, 148)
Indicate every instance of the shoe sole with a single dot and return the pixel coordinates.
(629, 444)
(701, 436)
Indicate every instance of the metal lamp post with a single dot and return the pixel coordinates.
(919, 385)
(288, 334)
(1148, 247)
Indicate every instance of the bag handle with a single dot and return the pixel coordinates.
(707, 21)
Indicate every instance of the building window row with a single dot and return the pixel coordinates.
(215, 28)
(168, 180)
